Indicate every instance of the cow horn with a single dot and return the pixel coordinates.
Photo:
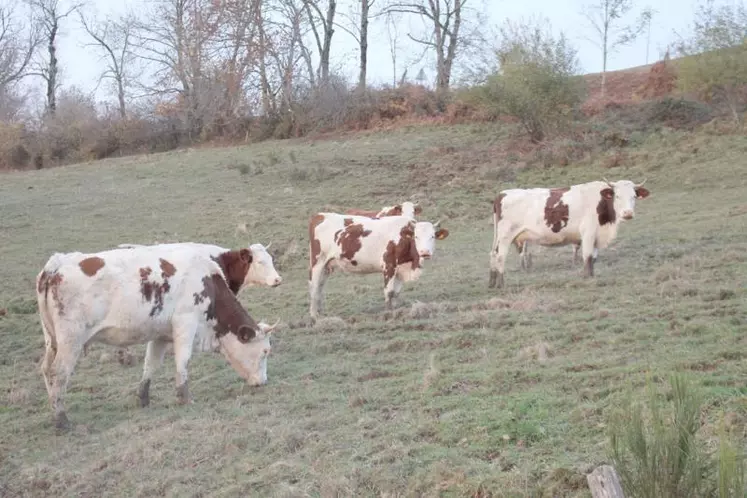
(608, 182)
(268, 246)
(641, 184)
(272, 327)
(435, 225)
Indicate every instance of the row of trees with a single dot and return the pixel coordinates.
(206, 68)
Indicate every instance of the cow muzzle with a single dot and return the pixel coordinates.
(425, 255)
(627, 215)
(276, 282)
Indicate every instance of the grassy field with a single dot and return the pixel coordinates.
(462, 391)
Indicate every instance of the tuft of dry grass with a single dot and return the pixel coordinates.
(540, 352)
(19, 396)
(330, 324)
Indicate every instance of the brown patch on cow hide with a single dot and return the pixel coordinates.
(404, 251)
(606, 206)
(394, 211)
(556, 212)
(167, 269)
(235, 266)
(225, 308)
(347, 222)
(90, 266)
(315, 247)
(153, 291)
(350, 239)
(498, 206)
(51, 281)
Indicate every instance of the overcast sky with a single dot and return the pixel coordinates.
(81, 64)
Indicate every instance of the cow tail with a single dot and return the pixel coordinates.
(46, 313)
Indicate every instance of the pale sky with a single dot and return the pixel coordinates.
(81, 66)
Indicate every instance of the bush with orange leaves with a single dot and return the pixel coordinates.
(661, 81)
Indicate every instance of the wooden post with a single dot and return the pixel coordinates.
(604, 483)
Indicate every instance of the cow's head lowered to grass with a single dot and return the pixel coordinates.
(249, 358)
(243, 342)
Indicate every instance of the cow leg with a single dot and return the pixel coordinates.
(521, 248)
(498, 263)
(391, 291)
(526, 256)
(587, 252)
(319, 274)
(49, 356)
(576, 249)
(153, 359)
(184, 335)
(58, 377)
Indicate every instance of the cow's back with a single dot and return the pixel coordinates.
(122, 294)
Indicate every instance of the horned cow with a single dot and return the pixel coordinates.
(393, 246)
(154, 295)
(587, 214)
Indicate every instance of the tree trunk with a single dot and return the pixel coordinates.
(364, 45)
(604, 483)
(263, 82)
(328, 32)
(121, 97)
(52, 76)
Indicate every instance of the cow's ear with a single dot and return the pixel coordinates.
(442, 233)
(641, 192)
(607, 193)
(246, 255)
(418, 209)
(246, 334)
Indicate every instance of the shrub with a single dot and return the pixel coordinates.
(716, 69)
(677, 112)
(655, 450)
(661, 81)
(535, 82)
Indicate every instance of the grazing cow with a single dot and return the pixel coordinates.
(123, 297)
(586, 214)
(407, 208)
(261, 270)
(392, 246)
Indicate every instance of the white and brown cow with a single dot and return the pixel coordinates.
(407, 208)
(261, 271)
(392, 246)
(587, 214)
(123, 297)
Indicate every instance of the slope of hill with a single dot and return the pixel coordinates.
(463, 391)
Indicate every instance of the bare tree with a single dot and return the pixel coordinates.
(241, 39)
(605, 17)
(288, 49)
(392, 32)
(323, 41)
(444, 18)
(114, 38)
(647, 17)
(17, 46)
(177, 41)
(358, 20)
(50, 14)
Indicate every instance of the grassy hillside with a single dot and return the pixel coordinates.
(446, 395)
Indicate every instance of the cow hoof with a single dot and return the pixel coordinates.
(61, 423)
(182, 394)
(493, 279)
(143, 393)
